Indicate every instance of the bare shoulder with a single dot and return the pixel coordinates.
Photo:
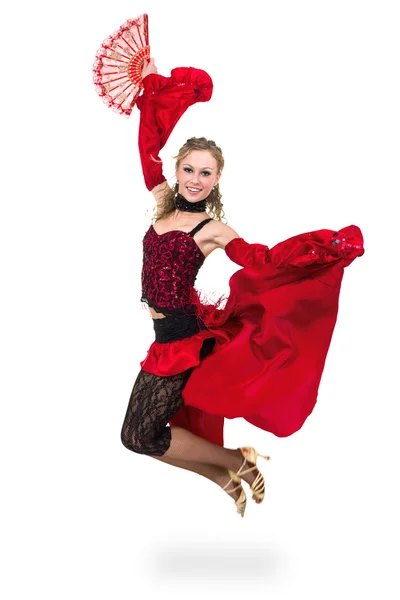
(222, 234)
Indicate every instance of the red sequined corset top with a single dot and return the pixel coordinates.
(171, 262)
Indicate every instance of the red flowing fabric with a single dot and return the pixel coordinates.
(272, 336)
(163, 102)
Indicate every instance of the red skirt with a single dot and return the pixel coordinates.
(271, 337)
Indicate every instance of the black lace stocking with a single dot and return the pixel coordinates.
(153, 402)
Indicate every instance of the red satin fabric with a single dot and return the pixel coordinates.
(272, 336)
(163, 102)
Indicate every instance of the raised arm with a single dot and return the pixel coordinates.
(160, 189)
(159, 192)
(162, 103)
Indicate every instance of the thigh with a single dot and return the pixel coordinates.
(154, 399)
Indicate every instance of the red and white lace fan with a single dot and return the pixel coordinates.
(117, 70)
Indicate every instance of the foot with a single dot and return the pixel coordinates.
(250, 477)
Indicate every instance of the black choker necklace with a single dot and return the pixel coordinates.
(182, 204)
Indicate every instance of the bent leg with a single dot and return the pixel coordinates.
(153, 402)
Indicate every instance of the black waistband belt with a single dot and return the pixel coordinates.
(173, 328)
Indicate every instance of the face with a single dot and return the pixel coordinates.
(197, 174)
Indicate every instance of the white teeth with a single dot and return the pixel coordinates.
(193, 189)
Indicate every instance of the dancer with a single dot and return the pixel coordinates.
(209, 362)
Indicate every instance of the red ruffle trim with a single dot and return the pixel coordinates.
(175, 357)
(197, 79)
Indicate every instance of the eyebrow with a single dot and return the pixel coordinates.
(187, 164)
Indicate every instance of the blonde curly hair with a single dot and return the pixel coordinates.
(214, 206)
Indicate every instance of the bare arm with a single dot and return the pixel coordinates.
(224, 234)
(159, 192)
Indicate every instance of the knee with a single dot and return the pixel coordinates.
(129, 441)
(147, 445)
(127, 438)
(134, 442)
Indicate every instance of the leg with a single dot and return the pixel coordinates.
(187, 446)
(218, 475)
(153, 402)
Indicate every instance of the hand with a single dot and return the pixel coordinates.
(149, 67)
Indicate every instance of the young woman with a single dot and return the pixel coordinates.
(261, 356)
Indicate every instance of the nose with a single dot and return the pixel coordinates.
(195, 177)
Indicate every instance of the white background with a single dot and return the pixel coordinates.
(306, 108)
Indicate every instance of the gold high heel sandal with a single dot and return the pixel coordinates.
(258, 486)
(241, 501)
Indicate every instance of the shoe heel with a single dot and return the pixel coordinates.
(250, 455)
(241, 503)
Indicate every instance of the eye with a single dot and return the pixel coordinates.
(187, 169)
(206, 173)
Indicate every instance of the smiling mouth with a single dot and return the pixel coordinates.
(193, 190)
